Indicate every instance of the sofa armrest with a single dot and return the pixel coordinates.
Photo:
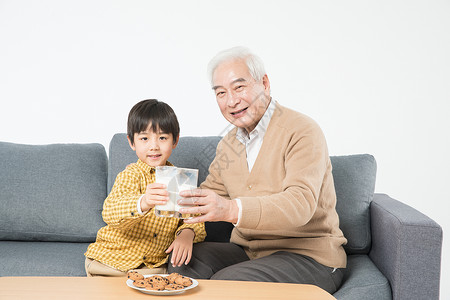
(406, 247)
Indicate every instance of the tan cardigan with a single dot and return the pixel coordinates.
(288, 199)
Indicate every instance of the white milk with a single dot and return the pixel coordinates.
(167, 210)
(176, 180)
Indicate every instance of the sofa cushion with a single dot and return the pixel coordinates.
(42, 259)
(362, 280)
(52, 192)
(354, 181)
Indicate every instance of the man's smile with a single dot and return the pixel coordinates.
(239, 112)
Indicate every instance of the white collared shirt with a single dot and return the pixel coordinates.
(253, 142)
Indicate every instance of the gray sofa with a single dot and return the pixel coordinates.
(51, 200)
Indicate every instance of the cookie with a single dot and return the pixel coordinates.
(172, 276)
(184, 281)
(140, 283)
(158, 280)
(174, 286)
(133, 275)
(155, 286)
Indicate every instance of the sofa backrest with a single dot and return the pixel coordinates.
(56, 192)
(52, 192)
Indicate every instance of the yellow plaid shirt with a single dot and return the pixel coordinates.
(130, 239)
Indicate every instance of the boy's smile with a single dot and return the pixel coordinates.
(153, 148)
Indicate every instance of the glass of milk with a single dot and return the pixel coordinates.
(186, 180)
(167, 176)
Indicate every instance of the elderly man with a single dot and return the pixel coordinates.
(272, 179)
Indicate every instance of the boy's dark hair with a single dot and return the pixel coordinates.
(151, 111)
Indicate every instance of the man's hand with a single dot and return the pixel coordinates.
(209, 206)
(155, 194)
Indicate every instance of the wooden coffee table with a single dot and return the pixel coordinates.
(67, 288)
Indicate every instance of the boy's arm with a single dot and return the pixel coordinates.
(120, 207)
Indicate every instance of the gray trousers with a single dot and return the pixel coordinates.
(228, 261)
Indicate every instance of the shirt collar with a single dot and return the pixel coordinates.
(261, 127)
(148, 168)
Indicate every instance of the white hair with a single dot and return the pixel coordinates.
(254, 64)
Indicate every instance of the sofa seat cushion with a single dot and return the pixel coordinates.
(362, 280)
(52, 192)
(42, 258)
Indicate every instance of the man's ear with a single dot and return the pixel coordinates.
(131, 144)
(176, 142)
(266, 84)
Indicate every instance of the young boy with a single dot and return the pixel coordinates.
(134, 237)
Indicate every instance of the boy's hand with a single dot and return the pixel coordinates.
(182, 248)
(155, 194)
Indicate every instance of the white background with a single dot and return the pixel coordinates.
(374, 74)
